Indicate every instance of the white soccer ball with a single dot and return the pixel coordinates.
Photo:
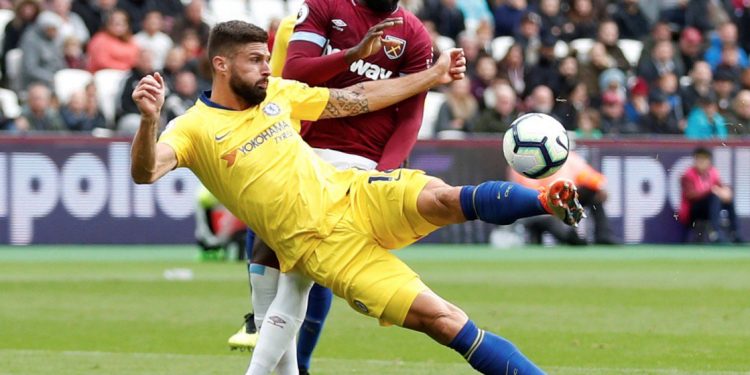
(536, 145)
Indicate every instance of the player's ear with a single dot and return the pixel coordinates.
(220, 64)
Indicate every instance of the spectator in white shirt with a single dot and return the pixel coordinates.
(153, 39)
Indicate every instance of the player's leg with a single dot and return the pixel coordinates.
(487, 352)
(278, 328)
(247, 336)
(318, 305)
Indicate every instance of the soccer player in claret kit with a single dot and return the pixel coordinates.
(331, 46)
(331, 226)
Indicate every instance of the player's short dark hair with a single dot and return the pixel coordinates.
(227, 36)
(703, 151)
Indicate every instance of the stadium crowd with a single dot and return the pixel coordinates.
(603, 68)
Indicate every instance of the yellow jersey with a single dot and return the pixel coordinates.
(255, 162)
(281, 44)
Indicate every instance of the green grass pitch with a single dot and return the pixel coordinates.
(642, 310)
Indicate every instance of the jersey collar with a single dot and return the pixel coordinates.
(205, 98)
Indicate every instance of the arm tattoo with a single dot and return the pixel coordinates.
(346, 102)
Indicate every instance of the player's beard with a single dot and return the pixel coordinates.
(381, 6)
(252, 94)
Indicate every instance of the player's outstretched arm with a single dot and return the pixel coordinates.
(372, 96)
(149, 160)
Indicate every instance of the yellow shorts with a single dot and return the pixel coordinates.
(355, 262)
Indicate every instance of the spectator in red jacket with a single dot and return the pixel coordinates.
(705, 196)
(113, 47)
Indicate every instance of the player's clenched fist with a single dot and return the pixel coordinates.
(149, 95)
(451, 65)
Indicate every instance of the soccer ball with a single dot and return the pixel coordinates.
(536, 145)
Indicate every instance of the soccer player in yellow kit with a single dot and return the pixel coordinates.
(332, 226)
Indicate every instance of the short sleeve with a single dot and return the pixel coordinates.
(177, 136)
(419, 54)
(307, 103)
(312, 22)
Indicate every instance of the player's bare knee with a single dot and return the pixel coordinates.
(439, 203)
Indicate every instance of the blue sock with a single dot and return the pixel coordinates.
(500, 202)
(491, 354)
(317, 310)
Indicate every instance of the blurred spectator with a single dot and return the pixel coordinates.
(73, 53)
(744, 24)
(474, 11)
(184, 95)
(683, 13)
(190, 43)
(26, 13)
(128, 115)
(6, 124)
(113, 47)
(588, 125)
(498, 118)
(669, 85)
(153, 39)
(414, 6)
(660, 32)
(39, 114)
(192, 19)
(705, 196)
(541, 100)
(93, 12)
(568, 109)
(745, 79)
(738, 120)
(508, 17)
(730, 60)
(42, 57)
(613, 120)
(470, 44)
(704, 121)
(726, 37)
(485, 33)
(581, 21)
(447, 17)
(663, 60)
(631, 21)
(592, 194)
(527, 36)
(79, 115)
(608, 35)
(637, 105)
(512, 68)
(613, 79)
(691, 47)
(700, 85)
(597, 64)
(486, 72)
(72, 24)
(567, 76)
(725, 87)
(460, 109)
(175, 63)
(659, 119)
(137, 10)
(168, 9)
(552, 19)
(545, 71)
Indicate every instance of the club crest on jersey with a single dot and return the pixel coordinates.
(304, 11)
(338, 24)
(271, 109)
(395, 48)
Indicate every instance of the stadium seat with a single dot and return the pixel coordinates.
(68, 81)
(500, 46)
(13, 62)
(432, 104)
(263, 11)
(444, 43)
(561, 49)
(582, 47)
(225, 10)
(9, 103)
(108, 84)
(632, 49)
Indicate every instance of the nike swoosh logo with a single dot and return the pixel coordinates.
(220, 137)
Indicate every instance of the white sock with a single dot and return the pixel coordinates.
(264, 281)
(279, 328)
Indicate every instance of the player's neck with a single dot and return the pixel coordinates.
(223, 96)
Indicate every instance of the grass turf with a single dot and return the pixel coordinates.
(647, 310)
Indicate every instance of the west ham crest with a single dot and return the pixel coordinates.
(394, 47)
